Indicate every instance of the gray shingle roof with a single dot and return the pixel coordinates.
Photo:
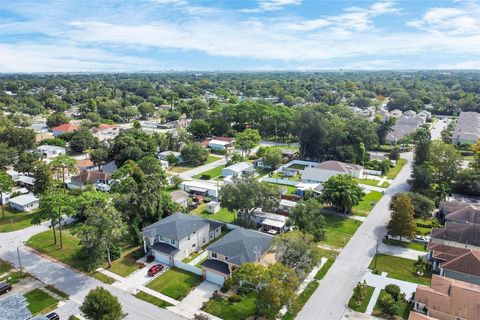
(176, 226)
(14, 307)
(403, 127)
(459, 232)
(467, 127)
(242, 245)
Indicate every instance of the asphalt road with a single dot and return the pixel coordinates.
(329, 301)
(72, 282)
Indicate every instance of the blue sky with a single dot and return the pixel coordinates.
(157, 35)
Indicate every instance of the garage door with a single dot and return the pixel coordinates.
(162, 258)
(215, 278)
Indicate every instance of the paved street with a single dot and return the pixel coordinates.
(329, 300)
(76, 284)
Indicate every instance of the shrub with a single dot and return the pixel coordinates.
(205, 177)
(386, 301)
(115, 252)
(393, 290)
(393, 310)
(235, 298)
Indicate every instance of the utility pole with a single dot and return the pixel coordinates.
(376, 253)
(19, 261)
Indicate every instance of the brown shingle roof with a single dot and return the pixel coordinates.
(466, 214)
(468, 263)
(451, 206)
(91, 176)
(445, 252)
(338, 166)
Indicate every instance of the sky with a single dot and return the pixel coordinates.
(235, 35)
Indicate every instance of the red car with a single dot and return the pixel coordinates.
(155, 269)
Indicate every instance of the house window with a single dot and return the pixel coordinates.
(214, 255)
(162, 239)
(172, 241)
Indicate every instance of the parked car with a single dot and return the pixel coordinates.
(155, 269)
(5, 287)
(53, 316)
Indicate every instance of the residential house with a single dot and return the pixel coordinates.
(105, 132)
(64, 128)
(219, 144)
(286, 206)
(396, 113)
(49, 152)
(202, 188)
(409, 113)
(325, 170)
(85, 165)
(425, 114)
(5, 196)
(403, 127)
(447, 299)
(178, 235)
(238, 169)
(89, 177)
(24, 202)
(458, 235)
(165, 155)
(180, 197)
(454, 262)
(15, 307)
(269, 222)
(237, 247)
(467, 129)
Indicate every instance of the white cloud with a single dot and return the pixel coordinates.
(450, 20)
(272, 5)
(63, 58)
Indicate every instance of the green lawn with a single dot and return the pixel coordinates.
(323, 271)
(225, 310)
(186, 166)
(223, 215)
(58, 292)
(15, 220)
(362, 307)
(302, 299)
(367, 203)
(370, 182)
(5, 267)
(403, 306)
(153, 300)
(15, 277)
(127, 263)
(290, 189)
(40, 302)
(298, 166)
(213, 173)
(422, 231)
(43, 242)
(339, 230)
(175, 283)
(400, 268)
(393, 172)
(404, 244)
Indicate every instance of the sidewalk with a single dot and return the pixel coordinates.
(380, 281)
(400, 251)
(159, 295)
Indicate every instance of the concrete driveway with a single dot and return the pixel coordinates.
(193, 302)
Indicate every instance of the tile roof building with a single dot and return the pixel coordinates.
(447, 299)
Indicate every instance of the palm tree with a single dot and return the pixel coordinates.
(64, 164)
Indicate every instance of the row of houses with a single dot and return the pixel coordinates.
(454, 251)
(177, 236)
